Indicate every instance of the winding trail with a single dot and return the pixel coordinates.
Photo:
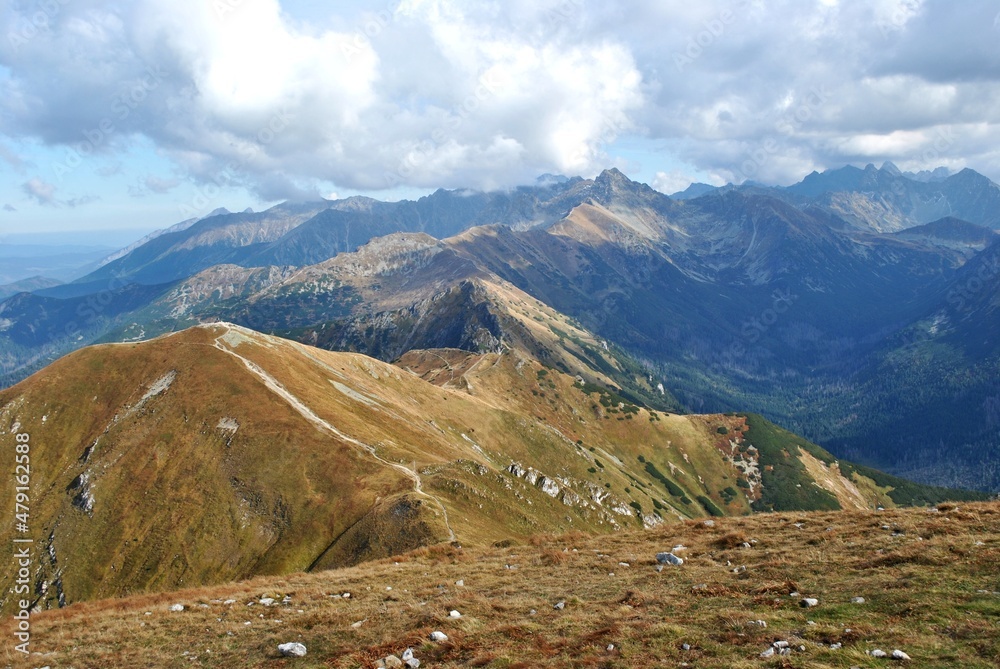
(275, 387)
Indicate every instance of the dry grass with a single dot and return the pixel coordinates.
(930, 593)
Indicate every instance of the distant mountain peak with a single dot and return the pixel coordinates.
(612, 175)
(550, 179)
(221, 211)
(890, 167)
(612, 181)
(695, 190)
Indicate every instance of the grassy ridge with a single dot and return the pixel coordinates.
(928, 578)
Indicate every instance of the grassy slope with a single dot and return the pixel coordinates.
(929, 580)
(182, 500)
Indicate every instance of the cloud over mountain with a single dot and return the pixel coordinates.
(434, 93)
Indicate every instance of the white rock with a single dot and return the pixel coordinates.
(407, 654)
(836, 646)
(759, 623)
(391, 662)
(439, 636)
(177, 607)
(610, 647)
(808, 602)
(559, 606)
(346, 595)
(857, 600)
(878, 652)
(767, 653)
(454, 614)
(460, 583)
(708, 523)
(292, 649)
(669, 558)
(780, 644)
(900, 655)
(266, 601)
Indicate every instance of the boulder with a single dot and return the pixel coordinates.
(292, 650)
(669, 558)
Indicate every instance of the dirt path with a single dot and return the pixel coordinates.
(275, 387)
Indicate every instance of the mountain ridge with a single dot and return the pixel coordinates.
(218, 453)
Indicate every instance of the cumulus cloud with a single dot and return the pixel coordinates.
(43, 193)
(151, 184)
(671, 182)
(12, 159)
(480, 93)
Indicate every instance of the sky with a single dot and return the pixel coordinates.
(132, 115)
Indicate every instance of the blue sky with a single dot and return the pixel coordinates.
(133, 116)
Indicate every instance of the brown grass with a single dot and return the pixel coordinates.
(921, 597)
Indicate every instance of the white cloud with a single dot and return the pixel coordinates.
(43, 193)
(487, 93)
(672, 182)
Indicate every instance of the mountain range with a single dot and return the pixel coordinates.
(219, 453)
(857, 307)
